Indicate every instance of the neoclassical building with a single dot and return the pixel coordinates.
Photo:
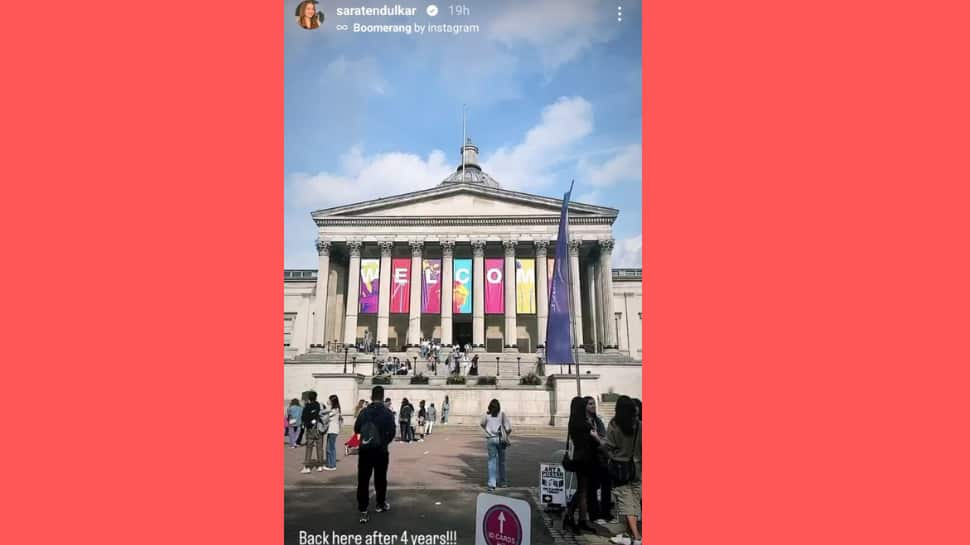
(464, 262)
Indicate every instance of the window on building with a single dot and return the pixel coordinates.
(289, 319)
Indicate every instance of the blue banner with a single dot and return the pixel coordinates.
(558, 335)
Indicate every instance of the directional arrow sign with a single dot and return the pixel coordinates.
(501, 520)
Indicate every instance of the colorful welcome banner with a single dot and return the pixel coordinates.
(494, 286)
(401, 285)
(462, 299)
(525, 286)
(431, 286)
(370, 280)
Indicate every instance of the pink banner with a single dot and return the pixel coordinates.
(401, 285)
(494, 286)
(431, 286)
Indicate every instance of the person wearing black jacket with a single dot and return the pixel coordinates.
(585, 446)
(374, 458)
(314, 437)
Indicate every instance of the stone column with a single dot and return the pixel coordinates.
(414, 324)
(606, 279)
(353, 294)
(447, 291)
(595, 317)
(511, 333)
(384, 296)
(577, 293)
(320, 301)
(542, 290)
(478, 295)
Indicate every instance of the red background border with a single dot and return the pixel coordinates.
(805, 248)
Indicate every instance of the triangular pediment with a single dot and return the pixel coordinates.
(464, 201)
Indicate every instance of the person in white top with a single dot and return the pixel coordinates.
(333, 429)
(497, 431)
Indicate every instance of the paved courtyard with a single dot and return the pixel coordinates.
(432, 488)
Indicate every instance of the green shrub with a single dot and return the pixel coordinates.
(455, 379)
(487, 381)
(610, 397)
(381, 379)
(419, 379)
(531, 379)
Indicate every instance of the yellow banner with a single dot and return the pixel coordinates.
(525, 286)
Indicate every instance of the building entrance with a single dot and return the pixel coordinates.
(462, 334)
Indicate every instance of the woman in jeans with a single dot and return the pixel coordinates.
(623, 438)
(294, 414)
(497, 430)
(332, 431)
(585, 443)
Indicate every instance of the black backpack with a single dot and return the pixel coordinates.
(371, 437)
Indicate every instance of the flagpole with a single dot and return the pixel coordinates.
(463, 137)
(572, 307)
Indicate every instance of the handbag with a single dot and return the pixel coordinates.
(567, 462)
(503, 434)
(621, 472)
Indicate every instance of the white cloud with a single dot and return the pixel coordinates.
(593, 197)
(628, 252)
(360, 75)
(362, 178)
(623, 166)
(557, 30)
(546, 145)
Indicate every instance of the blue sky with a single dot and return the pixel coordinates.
(552, 89)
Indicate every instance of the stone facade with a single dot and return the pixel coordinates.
(468, 216)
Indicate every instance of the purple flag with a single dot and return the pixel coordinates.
(558, 336)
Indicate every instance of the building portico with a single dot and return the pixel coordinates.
(465, 234)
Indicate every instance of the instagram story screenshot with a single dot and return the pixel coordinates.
(463, 345)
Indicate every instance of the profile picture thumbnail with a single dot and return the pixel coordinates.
(308, 15)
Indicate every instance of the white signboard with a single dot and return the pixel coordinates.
(500, 520)
(552, 484)
(556, 487)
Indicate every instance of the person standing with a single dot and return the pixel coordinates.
(314, 436)
(445, 409)
(375, 424)
(432, 414)
(404, 418)
(497, 431)
(333, 429)
(599, 510)
(294, 414)
(585, 442)
(422, 420)
(623, 440)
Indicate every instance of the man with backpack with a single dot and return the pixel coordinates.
(315, 426)
(375, 424)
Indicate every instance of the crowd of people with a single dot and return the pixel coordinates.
(319, 426)
(457, 362)
(606, 459)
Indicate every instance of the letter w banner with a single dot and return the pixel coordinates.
(558, 335)
(370, 285)
(494, 286)
(401, 285)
